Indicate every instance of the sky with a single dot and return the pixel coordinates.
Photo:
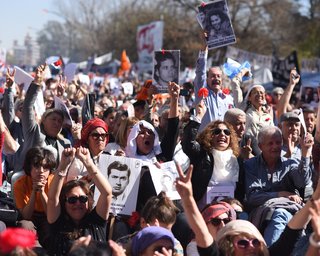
(19, 17)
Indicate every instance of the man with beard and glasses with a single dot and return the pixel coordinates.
(217, 102)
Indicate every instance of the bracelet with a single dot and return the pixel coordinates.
(313, 242)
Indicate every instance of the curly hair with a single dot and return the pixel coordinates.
(205, 137)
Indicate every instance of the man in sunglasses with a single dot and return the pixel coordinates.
(119, 178)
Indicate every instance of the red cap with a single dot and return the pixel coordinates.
(214, 211)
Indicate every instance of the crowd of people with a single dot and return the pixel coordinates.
(248, 167)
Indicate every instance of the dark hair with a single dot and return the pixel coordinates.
(37, 157)
(118, 166)
(161, 57)
(223, 17)
(160, 207)
(95, 248)
(108, 111)
(84, 185)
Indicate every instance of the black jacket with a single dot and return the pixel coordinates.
(202, 163)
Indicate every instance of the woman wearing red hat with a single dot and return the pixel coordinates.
(95, 137)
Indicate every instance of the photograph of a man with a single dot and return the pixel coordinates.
(167, 183)
(119, 178)
(166, 69)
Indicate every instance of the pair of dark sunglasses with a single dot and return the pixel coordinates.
(216, 222)
(74, 199)
(245, 243)
(97, 136)
(217, 131)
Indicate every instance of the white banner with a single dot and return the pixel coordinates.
(3, 55)
(256, 60)
(149, 39)
(103, 59)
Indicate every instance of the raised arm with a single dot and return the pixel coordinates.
(317, 135)
(10, 146)
(201, 67)
(285, 98)
(299, 222)
(8, 99)
(174, 91)
(184, 187)
(53, 205)
(102, 184)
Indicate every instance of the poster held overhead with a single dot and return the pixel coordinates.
(215, 20)
(165, 69)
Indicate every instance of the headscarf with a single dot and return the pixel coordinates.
(237, 227)
(148, 236)
(89, 127)
(131, 148)
(251, 88)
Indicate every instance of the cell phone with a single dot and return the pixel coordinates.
(293, 76)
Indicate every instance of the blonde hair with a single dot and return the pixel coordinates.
(121, 137)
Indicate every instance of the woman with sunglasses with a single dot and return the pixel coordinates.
(216, 216)
(70, 209)
(238, 237)
(95, 137)
(213, 153)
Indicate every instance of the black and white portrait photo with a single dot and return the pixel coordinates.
(164, 179)
(123, 174)
(216, 22)
(166, 69)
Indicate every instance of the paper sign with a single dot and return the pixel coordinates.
(59, 104)
(123, 174)
(217, 193)
(70, 71)
(166, 68)
(22, 77)
(215, 20)
(127, 88)
(164, 178)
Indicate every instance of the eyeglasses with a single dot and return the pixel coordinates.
(245, 243)
(217, 131)
(216, 222)
(74, 199)
(97, 136)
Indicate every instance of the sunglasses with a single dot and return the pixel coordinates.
(97, 136)
(216, 222)
(245, 243)
(74, 199)
(217, 131)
